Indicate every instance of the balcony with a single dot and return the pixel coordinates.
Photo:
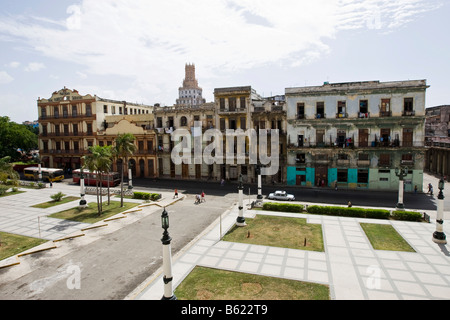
(341, 115)
(385, 114)
(232, 110)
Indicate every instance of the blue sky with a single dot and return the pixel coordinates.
(136, 50)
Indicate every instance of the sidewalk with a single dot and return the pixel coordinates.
(19, 217)
(351, 268)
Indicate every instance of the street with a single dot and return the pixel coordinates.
(110, 265)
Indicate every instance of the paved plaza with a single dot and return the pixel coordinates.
(349, 265)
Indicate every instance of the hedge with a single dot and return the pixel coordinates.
(146, 196)
(349, 212)
(406, 215)
(285, 207)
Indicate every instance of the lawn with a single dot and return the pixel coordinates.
(277, 231)
(11, 244)
(385, 237)
(52, 203)
(90, 214)
(213, 284)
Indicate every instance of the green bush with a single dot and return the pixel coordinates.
(349, 212)
(146, 196)
(3, 189)
(407, 215)
(285, 207)
(57, 196)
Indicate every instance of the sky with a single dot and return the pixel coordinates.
(136, 50)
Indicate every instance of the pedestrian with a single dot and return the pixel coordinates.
(51, 184)
(430, 189)
(415, 188)
(197, 199)
(203, 196)
(222, 182)
(176, 194)
(335, 185)
(349, 204)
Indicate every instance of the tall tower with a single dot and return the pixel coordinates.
(190, 94)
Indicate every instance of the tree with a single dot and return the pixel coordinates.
(7, 171)
(123, 149)
(99, 161)
(14, 136)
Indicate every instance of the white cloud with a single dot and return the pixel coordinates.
(150, 41)
(5, 78)
(34, 67)
(13, 64)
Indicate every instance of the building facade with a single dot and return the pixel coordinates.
(70, 123)
(437, 140)
(354, 135)
(243, 108)
(169, 119)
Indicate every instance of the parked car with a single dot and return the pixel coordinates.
(281, 195)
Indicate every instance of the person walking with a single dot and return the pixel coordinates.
(176, 194)
(203, 196)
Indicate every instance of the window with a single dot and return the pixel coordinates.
(159, 122)
(341, 109)
(243, 120)
(320, 110)
(74, 111)
(222, 124)
(407, 159)
(408, 108)
(363, 108)
(320, 134)
(232, 104)
(88, 110)
(300, 158)
(363, 176)
(183, 122)
(242, 102)
(56, 112)
(65, 112)
(89, 128)
(43, 112)
(342, 156)
(300, 111)
(385, 109)
(105, 109)
(363, 156)
(222, 103)
(384, 160)
(342, 175)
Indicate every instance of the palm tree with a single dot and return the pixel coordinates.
(123, 149)
(99, 161)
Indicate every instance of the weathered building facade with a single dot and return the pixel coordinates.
(437, 140)
(355, 134)
(169, 119)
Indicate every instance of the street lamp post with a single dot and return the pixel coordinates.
(400, 173)
(240, 221)
(439, 235)
(259, 197)
(130, 180)
(83, 202)
(167, 259)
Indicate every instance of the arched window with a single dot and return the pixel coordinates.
(183, 121)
